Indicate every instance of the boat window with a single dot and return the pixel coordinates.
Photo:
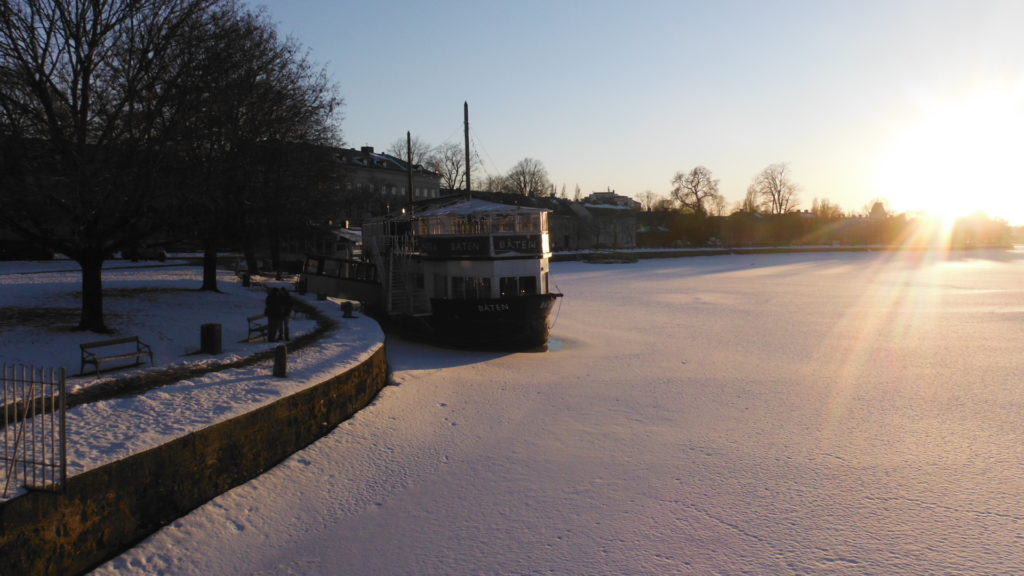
(459, 287)
(331, 268)
(507, 223)
(483, 288)
(508, 286)
(527, 285)
(483, 223)
(529, 222)
(470, 288)
(313, 266)
(440, 286)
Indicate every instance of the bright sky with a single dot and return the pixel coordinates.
(917, 103)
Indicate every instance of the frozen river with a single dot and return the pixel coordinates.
(847, 413)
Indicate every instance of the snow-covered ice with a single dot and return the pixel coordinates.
(832, 413)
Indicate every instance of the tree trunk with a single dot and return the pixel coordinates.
(250, 256)
(209, 267)
(275, 253)
(92, 294)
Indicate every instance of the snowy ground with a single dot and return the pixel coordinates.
(854, 413)
(161, 305)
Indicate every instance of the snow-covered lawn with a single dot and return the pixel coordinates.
(161, 305)
(853, 413)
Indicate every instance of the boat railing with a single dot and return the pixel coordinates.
(482, 224)
(332, 267)
(388, 243)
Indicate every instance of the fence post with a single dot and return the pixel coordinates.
(63, 408)
(281, 361)
(210, 339)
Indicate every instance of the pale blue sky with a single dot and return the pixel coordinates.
(622, 95)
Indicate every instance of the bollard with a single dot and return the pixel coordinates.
(281, 361)
(246, 281)
(346, 308)
(209, 339)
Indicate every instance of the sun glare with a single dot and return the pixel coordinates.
(959, 157)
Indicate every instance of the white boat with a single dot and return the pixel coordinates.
(463, 272)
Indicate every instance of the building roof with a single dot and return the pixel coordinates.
(477, 206)
(365, 157)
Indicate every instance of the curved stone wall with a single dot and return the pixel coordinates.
(104, 511)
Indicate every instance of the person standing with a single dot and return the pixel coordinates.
(273, 309)
(285, 301)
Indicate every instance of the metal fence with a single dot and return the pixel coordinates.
(34, 453)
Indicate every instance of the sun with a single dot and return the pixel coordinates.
(958, 157)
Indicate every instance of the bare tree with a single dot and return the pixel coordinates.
(494, 183)
(717, 206)
(696, 190)
(647, 200)
(421, 151)
(750, 204)
(826, 209)
(528, 178)
(110, 108)
(577, 194)
(91, 100)
(449, 160)
(663, 204)
(254, 92)
(775, 189)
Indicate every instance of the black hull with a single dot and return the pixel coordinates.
(518, 323)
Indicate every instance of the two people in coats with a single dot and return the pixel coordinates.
(278, 308)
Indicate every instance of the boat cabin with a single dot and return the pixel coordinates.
(482, 250)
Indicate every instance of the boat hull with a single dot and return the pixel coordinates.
(518, 323)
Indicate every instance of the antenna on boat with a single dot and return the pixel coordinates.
(465, 115)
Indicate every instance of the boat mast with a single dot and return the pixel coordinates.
(465, 115)
(408, 159)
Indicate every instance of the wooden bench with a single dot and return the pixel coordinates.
(257, 327)
(117, 350)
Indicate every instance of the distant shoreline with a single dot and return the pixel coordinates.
(649, 253)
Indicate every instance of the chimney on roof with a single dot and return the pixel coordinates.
(366, 149)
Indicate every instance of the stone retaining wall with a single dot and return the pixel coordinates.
(105, 511)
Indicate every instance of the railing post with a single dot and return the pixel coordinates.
(35, 427)
(63, 429)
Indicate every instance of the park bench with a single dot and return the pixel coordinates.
(257, 327)
(117, 350)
